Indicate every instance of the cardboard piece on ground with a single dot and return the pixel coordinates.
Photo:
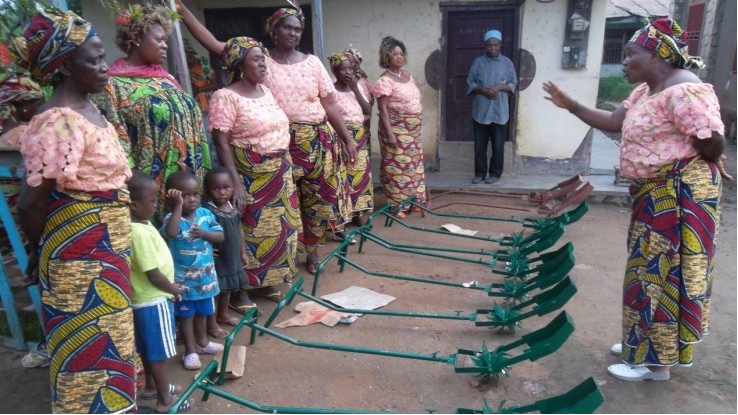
(312, 312)
(236, 362)
(359, 297)
(456, 229)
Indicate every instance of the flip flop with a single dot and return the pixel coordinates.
(230, 321)
(183, 407)
(218, 333)
(273, 294)
(312, 266)
(173, 389)
(244, 308)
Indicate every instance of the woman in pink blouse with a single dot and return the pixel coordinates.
(252, 137)
(671, 152)
(400, 119)
(74, 211)
(355, 102)
(304, 91)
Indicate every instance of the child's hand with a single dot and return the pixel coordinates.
(179, 289)
(244, 259)
(174, 196)
(195, 232)
(216, 252)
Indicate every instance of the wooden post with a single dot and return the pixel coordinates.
(179, 58)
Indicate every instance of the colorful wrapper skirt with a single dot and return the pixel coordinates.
(321, 178)
(359, 175)
(402, 172)
(669, 274)
(271, 219)
(85, 278)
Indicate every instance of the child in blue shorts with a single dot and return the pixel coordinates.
(152, 290)
(191, 231)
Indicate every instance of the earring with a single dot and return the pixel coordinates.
(136, 44)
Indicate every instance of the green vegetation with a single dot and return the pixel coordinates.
(612, 91)
(31, 327)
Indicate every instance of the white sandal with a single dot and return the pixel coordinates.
(191, 361)
(210, 348)
(636, 373)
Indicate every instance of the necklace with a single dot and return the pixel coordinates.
(287, 59)
(398, 74)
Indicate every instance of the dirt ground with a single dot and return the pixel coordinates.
(281, 374)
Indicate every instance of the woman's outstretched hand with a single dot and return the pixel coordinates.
(560, 98)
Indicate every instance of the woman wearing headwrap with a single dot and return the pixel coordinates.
(20, 98)
(159, 124)
(251, 135)
(400, 120)
(74, 210)
(671, 152)
(363, 80)
(304, 91)
(355, 103)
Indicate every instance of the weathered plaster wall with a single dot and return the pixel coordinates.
(545, 130)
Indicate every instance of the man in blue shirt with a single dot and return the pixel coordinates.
(491, 77)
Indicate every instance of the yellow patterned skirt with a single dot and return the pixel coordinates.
(85, 279)
(668, 278)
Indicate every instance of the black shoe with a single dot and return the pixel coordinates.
(477, 180)
(492, 180)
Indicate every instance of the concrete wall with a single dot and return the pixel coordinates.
(724, 46)
(543, 131)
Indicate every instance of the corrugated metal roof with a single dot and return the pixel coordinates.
(624, 8)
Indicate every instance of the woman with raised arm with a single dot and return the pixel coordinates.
(400, 120)
(304, 91)
(671, 152)
(74, 211)
(355, 102)
(158, 123)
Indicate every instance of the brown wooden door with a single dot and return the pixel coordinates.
(465, 35)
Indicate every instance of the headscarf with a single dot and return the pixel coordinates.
(668, 40)
(273, 20)
(50, 39)
(358, 58)
(16, 88)
(337, 58)
(236, 48)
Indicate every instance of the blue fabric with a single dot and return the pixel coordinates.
(485, 72)
(194, 265)
(187, 309)
(492, 34)
(154, 331)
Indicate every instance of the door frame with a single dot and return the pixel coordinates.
(467, 6)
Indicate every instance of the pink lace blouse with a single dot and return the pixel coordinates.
(657, 128)
(299, 87)
(255, 123)
(349, 106)
(403, 96)
(63, 145)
